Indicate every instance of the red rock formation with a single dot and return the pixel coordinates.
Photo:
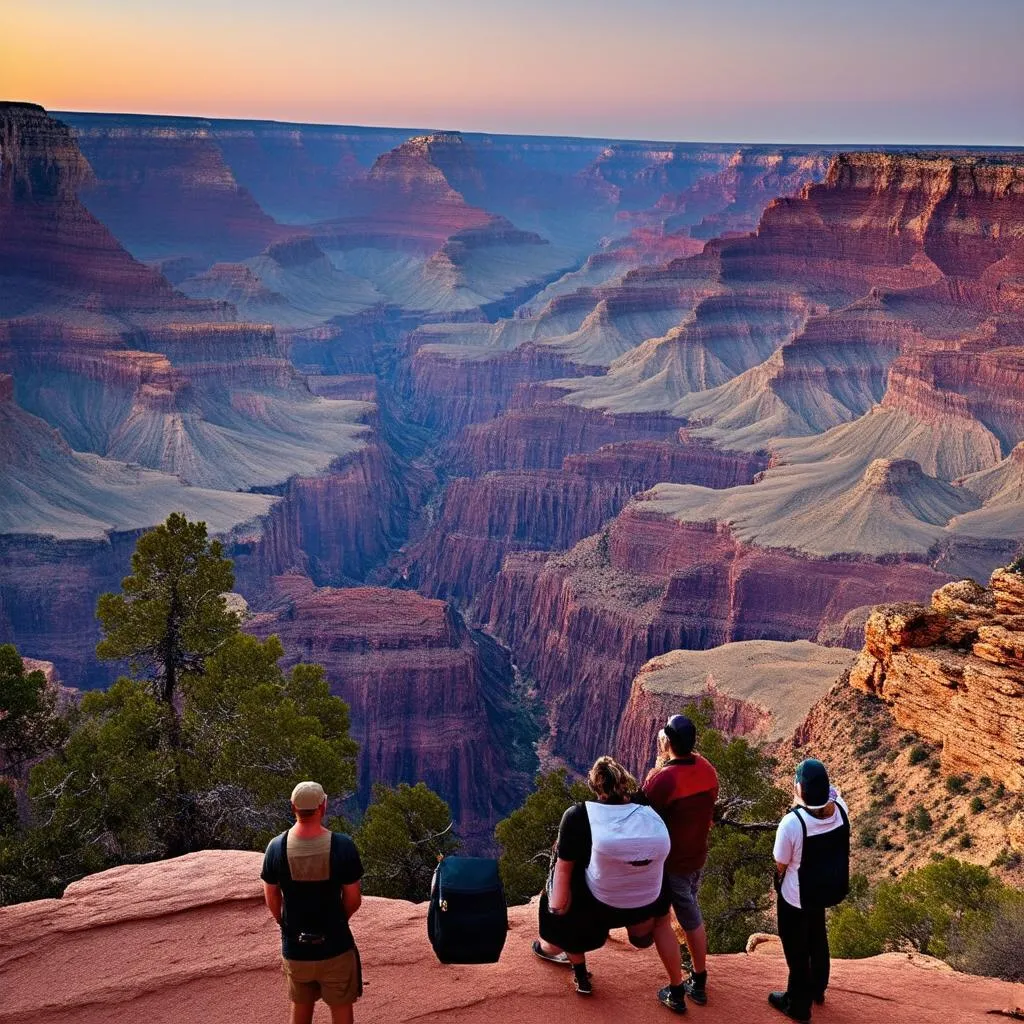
(953, 672)
(483, 519)
(449, 391)
(762, 689)
(582, 624)
(48, 240)
(203, 945)
(428, 698)
(891, 220)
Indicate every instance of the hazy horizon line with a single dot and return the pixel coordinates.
(435, 129)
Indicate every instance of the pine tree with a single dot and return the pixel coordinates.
(171, 614)
(29, 723)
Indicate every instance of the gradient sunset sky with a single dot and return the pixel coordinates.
(858, 71)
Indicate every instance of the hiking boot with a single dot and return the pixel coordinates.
(780, 1000)
(696, 987)
(674, 999)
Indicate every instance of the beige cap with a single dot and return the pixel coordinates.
(308, 796)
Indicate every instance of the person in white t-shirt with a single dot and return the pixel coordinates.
(812, 862)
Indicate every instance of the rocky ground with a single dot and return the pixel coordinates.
(189, 939)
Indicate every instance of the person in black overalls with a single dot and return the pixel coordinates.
(812, 861)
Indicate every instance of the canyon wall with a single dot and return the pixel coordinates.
(581, 624)
(953, 672)
(430, 700)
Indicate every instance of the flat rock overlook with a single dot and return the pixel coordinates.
(610, 423)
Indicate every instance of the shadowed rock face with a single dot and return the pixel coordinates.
(429, 699)
(203, 944)
(48, 240)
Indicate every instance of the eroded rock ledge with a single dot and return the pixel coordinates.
(953, 672)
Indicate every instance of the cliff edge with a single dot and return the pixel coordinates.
(189, 940)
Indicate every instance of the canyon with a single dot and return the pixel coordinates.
(482, 419)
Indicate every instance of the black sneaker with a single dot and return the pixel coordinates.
(581, 979)
(676, 1003)
(697, 992)
(780, 1001)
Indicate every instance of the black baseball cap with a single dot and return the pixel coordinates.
(682, 733)
(812, 777)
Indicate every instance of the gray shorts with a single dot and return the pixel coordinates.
(683, 892)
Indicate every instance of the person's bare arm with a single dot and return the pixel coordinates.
(272, 898)
(351, 898)
(561, 894)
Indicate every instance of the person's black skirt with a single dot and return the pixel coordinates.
(582, 929)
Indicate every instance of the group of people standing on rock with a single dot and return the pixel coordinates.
(624, 859)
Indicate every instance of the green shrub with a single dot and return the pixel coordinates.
(917, 754)
(870, 742)
(920, 819)
(965, 842)
(977, 805)
(868, 837)
(956, 784)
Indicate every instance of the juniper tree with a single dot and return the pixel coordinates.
(404, 833)
(29, 723)
(171, 614)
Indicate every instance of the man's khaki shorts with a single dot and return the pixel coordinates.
(335, 980)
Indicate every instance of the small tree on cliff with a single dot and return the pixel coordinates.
(248, 731)
(404, 833)
(171, 614)
(527, 835)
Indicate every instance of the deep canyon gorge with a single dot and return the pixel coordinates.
(513, 434)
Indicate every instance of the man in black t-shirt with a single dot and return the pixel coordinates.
(311, 887)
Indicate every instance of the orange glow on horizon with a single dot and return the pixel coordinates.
(529, 68)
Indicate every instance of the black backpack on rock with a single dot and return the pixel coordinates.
(467, 920)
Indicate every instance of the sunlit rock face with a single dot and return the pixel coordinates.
(953, 672)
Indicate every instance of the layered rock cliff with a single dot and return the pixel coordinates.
(953, 672)
(523, 509)
(49, 240)
(163, 188)
(583, 623)
(203, 944)
(760, 689)
(430, 700)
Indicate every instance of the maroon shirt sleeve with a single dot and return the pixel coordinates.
(658, 788)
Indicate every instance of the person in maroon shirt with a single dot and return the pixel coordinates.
(683, 788)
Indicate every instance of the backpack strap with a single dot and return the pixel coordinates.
(285, 870)
(799, 817)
